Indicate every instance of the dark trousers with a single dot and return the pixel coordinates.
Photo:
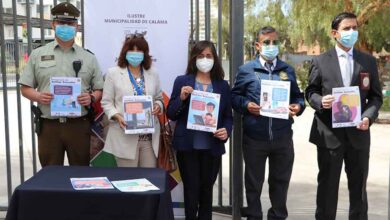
(280, 154)
(198, 170)
(72, 137)
(330, 162)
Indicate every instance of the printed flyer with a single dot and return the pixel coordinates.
(138, 114)
(91, 183)
(135, 185)
(203, 112)
(346, 109)
(65, 91)
(275, 99)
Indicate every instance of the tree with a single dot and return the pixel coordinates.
(272, 15)
(312, 22)
(249, 5)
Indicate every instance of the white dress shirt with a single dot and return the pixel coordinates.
(346, 65)
(262, 61)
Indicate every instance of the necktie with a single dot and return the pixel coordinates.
(347, 70)
(268, 66)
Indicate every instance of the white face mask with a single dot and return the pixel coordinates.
(204, 65)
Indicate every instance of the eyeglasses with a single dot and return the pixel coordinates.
(268, 42)
(136, 35)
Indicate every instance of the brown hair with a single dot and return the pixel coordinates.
(216, 73)
(142, 45)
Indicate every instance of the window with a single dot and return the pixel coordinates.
(24, 1)
(8, 10)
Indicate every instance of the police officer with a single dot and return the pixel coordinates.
(62, 58)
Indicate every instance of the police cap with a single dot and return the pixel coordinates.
(65, 12)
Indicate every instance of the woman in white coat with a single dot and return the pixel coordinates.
(134, 75)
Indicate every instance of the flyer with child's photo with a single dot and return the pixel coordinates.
(346, 110)
(65, 91)
(203, 112)
(138, 114)
(275, 98)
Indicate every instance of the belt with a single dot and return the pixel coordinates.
(65, 119)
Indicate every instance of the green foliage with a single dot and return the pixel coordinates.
(271, 15)
(308, 22)
(302, 73)
(377, 31)
(312, 22)
(386, 104)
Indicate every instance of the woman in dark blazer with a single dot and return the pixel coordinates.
(199, 153)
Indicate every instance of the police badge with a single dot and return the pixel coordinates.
(364, 81)
(283, 75)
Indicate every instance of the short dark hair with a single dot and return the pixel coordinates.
(209, 114)
(142, 45)
(340, 17)
(216, 73)
(266, 30)
(211, 104)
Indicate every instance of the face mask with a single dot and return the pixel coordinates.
(348, 38)
(204, 64)
(269, 52)
(134, 58)
(65, 32)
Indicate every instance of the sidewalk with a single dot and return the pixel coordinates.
(384, 117)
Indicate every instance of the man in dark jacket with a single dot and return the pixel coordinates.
(342, 66)
(266, 137)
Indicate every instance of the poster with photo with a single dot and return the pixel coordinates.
(65, 91)
(138, 114)
(91, 183)
(346, 109)
(203, 112)
(275, 99)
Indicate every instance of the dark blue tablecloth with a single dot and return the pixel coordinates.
(50, 195)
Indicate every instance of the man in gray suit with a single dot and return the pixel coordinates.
(342, 66)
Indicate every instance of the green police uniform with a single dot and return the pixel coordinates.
(70, 135)
(52, 61)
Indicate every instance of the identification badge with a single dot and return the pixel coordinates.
(47, 57)
(364, 81)
(283, 75)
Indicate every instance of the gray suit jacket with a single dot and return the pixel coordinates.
(324, 75)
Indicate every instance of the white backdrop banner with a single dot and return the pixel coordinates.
(166, 25)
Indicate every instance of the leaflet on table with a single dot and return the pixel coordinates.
(91, 183)
(65, 91)
(203, 112)
(275, 98)
(138, 114)
(346, 108)
(134, 185)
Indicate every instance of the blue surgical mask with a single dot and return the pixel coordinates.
(134, 58)
(348, 38)
(269, 52)
(65, 32)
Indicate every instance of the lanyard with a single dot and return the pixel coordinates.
(138, 89)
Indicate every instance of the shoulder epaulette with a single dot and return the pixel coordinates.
(89, 51)
(40, 45)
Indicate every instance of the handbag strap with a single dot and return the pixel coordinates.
(165, 120)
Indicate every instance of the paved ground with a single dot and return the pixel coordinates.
(301, 198)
